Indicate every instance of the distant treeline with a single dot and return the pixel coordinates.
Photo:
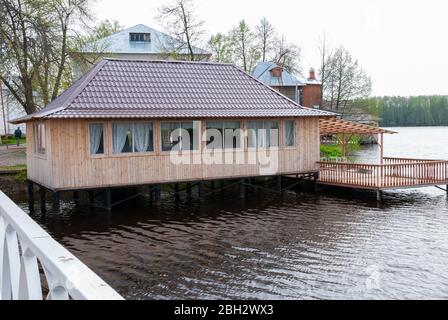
(412, 111)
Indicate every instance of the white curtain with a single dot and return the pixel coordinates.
(289, 133)
(119, 136)
(231, 134)
(255, 132)
(271, 133)
(96, 137)
(142, 133)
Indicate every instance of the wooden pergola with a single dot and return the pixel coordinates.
(344, 130)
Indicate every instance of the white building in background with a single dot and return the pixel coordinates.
(11, 109)
(139, 42)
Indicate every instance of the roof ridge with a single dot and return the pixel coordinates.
(85, 82)
(168, 61)
(272, 89)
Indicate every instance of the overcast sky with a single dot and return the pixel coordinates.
(401, 44)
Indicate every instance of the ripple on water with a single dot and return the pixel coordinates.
(299, 247)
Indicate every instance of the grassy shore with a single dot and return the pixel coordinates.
(11, 141)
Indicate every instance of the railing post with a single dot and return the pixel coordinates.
(22, 244)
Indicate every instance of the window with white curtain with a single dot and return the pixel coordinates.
(229, 134)
(40, 146)
(132, 137)
(289, 133)
(179, 134)
(96, 138)
(263, 134)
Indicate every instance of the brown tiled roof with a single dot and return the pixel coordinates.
(170, 89)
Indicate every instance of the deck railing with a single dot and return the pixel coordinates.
(404, 173)
(29, 255)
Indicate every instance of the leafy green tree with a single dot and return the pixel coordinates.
(35, 42)
(220, 46)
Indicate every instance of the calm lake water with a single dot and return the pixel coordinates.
(335, 245)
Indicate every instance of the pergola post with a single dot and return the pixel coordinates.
(381, 148)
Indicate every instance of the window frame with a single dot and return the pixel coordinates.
(279, 123)
(241, 124)
(294, 134)
(133, 153)
(36, 131)
(105, 151)
(199, 150)
(146, 37)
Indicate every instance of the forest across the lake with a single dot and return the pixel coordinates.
(411, 111)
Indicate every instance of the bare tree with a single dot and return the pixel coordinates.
(35, 38)
(246, 52)
(267, 38)
(221, 47)
(345, 81)
(288, 55)
(181, 22)
(325, 53)
(91, 46)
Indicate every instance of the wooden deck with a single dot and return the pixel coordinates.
(394, 173)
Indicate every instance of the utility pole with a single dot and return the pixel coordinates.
(3, 111)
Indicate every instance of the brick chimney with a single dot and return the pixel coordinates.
(312, 74)
(277, 72)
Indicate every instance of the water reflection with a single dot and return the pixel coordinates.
(335, 245)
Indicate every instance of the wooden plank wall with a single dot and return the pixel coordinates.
(39, 167)
(71, 166)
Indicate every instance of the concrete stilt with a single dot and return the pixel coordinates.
(76, 198)
(279, 183)
(151, 193)
(91, 199)
(189, 189)
(108, 199)
(42, 195)
(158, 195)
(379, 195)
(250, 188)
(56, 201)
(30, 189)
(201, 190)
(243, 189)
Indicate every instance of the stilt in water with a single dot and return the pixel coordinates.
(42, 196)
(201, 190)
(243, 189)
(249, 188)
(108, 199)
(279, 184)
(315, 184)
(189, 190)
(158, 195)
(223, 184)
(56, 200)
(151, 193)
(76, 199)
(91, 200)
(176, 192)
(31, 196)
(379, 195)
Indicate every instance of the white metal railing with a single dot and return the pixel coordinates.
(28, 255)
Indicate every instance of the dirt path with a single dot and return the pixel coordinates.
(12, 157)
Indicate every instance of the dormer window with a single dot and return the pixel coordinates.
(140, 37)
